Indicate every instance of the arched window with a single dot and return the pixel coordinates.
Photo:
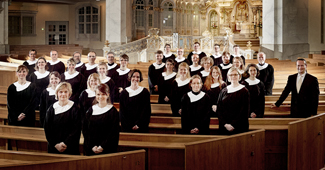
(88, 22)
(150, 13)
(150, 4)
(196, 17)
(168, 14)
(139, 13)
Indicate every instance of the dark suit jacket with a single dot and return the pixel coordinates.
(305, 103)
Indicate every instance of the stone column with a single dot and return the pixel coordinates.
(4, 47)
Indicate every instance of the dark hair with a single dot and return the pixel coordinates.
(56, 74)
(216, 45)
(171, 61)
(235, 46)
(125, 57)
(135, 71)
(226, 53)
(167, 45)
(104, 89)
(22, 67)
(159, 52)
(41, 58)
(301, 59)
(246, 74)
(32, 50)
(197, 43)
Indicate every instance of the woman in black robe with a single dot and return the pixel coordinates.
(239, 64)
(180, 87)
(168, 54)
(91, 66)
(101, 125)
(195, 68)
(21, 100)
(62, 123)
(233, 106)
(48, 95)
(225, 66)
(76, 79)
(256, 91)
(40, 78)
(195, 109)
(135, 109)
(155, 73)
(122, 80)
(206, 63)
(55, 64)
(213, 86)
(165, 83)
(104, 79)
(87, 96)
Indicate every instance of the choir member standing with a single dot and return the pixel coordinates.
(135, 109)
(62, 123)
(80, 66)
(256, 91)
(87, 96)
(20, 100)
(101, 125)
(212, 86)
(180, 58)
(225, 66)
(91, 66)
(31, 62)
(55, 64)
(233, 106)
(48, 95)
(236, 54)
(195, 109)
(266, 73)
(180, 87)
(195, 68)
(217, 56)
(197, 51)
(76, 79)
(238, 63)
(122, 80)
(168, 54)
(206, 63)
(165, 83)
(111, 66)
(40, 78)
(102, 71)
(155, 72)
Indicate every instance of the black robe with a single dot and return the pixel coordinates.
(57, 66)
(203, 74)
(86, 101)
(77, 82)
(121, 81)
(89, 69)
(111, 85)
(195, 70)
(216, 59)
(63, 127)
(213, 93)
(111, 71)
(21, 99)
(232, 57)
(178, 90)
(267, 77)
(165, 86)
(224, 68)
(257, 97)
(233, 108)
(172, 56)
(41, 81)
(201, 55)
(31, 67)
(135, 109)
(195, 112)
(47, 99)
(154, 74)
(101, 129)
(178, 62)
(80, 67)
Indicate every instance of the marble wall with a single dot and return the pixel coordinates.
(116, 22)
(4, 48)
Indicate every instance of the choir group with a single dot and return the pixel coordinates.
(79, 99)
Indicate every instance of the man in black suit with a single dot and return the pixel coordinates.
(304, 92)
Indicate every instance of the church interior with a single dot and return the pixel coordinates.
(284, 30)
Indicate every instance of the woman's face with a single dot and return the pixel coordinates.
(123, 62)
(169, 66)
(102, 70)
(207, 65)
(63, 94)
(252, 71)
(71, 66)
(182, 71)
(159, 57)
(93, 82)
(195, 58)
(196, 85)
(233, 76)
(215, 74)
(135, 79)
(236, 63)
(21, 74)
(41, 64)
(101, 97)
(54, 81)
(167, 48)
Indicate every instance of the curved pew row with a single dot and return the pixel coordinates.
(163, 151)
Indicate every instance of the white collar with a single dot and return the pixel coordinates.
(169, 76)
(182, 83)
(180, 60)
(168, 55)
(216, 56)
(90, 67)
(241, 71)
(194, 97)
(215, 85)
(158, 66)
(40, 75)
(232, 90)
(31, 62)
(53, 63)
(204, 73)
(262, 67)
(134, 92)
(79, 64)
(122, 72)
(239, 55)
(111, 67)
(51, 91)
(98, 111)
(61, 109)
(70, 76)
(252, 82)
(199, 52)
(105, 80)
(195, 68)
(225, 67)
(20, 87)
(90, 93)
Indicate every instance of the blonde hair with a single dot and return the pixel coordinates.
(61, 86)
(210, 80)
(184, 64)
(234, 69)
(205, 60)
(242, 66)
(94, 76)
(196, 77)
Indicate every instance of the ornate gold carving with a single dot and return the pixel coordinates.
(146, 8)
(249, 45)
(156, 8)
(107, 43)
(161, 10)
(134, 7)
